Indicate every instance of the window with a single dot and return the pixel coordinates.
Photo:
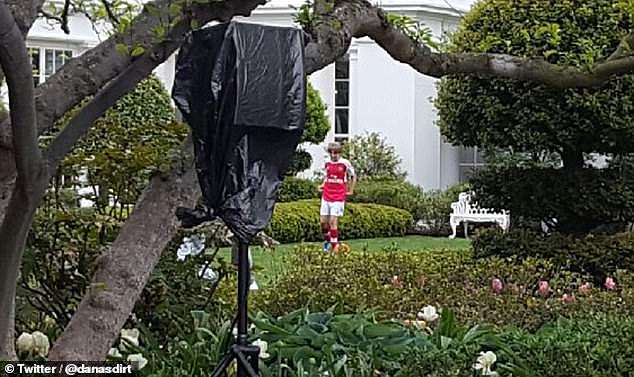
(342, 98)
(471, 159)
(47, 61)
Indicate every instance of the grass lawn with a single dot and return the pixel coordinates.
(270, 263)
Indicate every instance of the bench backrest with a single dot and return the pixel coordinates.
(463, 205)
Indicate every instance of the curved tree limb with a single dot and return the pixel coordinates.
(359, 18)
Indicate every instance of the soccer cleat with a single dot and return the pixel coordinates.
(254, 285)
(326, 246)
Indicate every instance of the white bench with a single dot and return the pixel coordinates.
(464, 211)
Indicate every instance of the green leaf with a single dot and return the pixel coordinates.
(175, 9)
(122, 49)
(137, 51)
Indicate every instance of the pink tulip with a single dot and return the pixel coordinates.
(585, 288)
(496, 285)
(609, 283)
(544, 288)
(396, 282)
(568, 297)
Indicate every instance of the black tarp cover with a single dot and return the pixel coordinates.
(241, 88)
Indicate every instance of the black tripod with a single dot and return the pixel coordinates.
(246, 355)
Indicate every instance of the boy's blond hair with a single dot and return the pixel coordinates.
(334, 146)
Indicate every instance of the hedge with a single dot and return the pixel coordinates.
(299, 221)
(598, 255)
(294, 188)
(580, 200)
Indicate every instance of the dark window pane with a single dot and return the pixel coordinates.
(341, 93)
(466, 156)
(59, 60)
(49, 64)
(341, 139)
(341, 121)
(342, 67)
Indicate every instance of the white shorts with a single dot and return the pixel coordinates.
(331, 208)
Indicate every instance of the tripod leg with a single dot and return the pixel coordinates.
(246, 367)
(243, 291)
(222, 366)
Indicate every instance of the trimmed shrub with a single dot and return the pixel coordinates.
(432, 208)
(528, 116)
(443, 278)
(294, 188)
(579, 200)
(394, 193)
(598, 255)
(300, 161)
(299, 221)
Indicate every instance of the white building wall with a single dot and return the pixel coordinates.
(383, 99)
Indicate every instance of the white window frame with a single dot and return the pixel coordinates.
(42, 49)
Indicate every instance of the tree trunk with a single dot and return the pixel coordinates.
(7, 350)
(124, 269)
(21, 210)
(572, 159)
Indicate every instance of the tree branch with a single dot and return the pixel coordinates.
(625, 48)
(25, 12)
(16, 64)
(359, 18)
(109, 11)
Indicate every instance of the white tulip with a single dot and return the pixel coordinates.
(129, 337)
(485, 362)
(428, 314)
(114, 352)
(193, 245)
(208, 274)
(25, 343)
(264, 346)
(41, 344)
(137, 360)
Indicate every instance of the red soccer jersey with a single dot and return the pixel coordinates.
(335, 185)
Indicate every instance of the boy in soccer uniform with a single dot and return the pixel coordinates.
(338, 183)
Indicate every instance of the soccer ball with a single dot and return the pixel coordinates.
(343, 248)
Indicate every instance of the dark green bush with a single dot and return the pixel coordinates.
(581, 347)
(598, 255)
(299, 221)
(443, 278)
(300, 161)
(294, 188)
(527, 116)
(580, 200)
